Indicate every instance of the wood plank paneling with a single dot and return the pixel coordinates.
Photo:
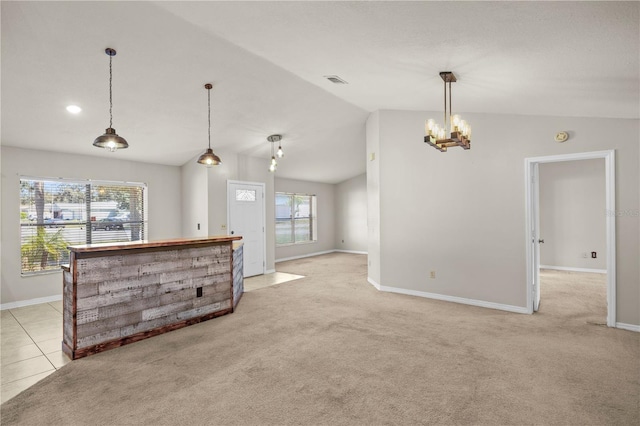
(121, 297)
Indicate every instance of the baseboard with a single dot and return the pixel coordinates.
(373, 283)
(454, 299)
(37, 301)
(270, 271)
(304, 255)
(351, 251)
(571, 269)
(630, 327)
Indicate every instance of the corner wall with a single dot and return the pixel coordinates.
(461, 214)
(163, 183)
(351, 214)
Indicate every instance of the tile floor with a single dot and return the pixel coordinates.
(30, 346)
(261, 281)
(31, 339)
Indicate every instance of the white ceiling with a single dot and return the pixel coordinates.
(267, 60)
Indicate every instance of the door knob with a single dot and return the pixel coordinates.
(540, 241)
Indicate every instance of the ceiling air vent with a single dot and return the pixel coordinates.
(335, 79)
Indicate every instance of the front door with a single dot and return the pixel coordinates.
(245, 217)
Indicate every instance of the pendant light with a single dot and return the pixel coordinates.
(110, 140)
(273, 139)
(209, 158)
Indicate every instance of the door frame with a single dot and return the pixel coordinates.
(532, 209)
(264, 216)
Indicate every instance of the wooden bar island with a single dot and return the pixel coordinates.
(119, 293)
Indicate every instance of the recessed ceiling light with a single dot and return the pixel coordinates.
(74, 109)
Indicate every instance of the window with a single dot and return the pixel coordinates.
(295, 218)
(57, 213)
(245, 195)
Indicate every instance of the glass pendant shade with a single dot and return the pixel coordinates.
(273, 166)
(110, 140)
(280, 152)
(209, 158)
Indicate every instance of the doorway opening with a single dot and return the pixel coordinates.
(534, 238)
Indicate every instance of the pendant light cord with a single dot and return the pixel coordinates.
(110, 95)
(209, 103)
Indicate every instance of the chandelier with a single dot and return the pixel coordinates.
(209, 158)
(110, 139)
(436, 136)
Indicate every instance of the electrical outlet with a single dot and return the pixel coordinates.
(223, 227)
(342, 241)
(198, 227)
(433, 274)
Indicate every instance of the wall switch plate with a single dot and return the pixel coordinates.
(432, 274)
(372, 156)
(594, 255)
(198, 227)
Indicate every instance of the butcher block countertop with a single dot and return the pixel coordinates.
(176, 242)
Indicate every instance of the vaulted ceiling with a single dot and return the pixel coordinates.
(266, 61)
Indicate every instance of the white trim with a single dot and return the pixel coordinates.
(373, 283)
(351, 251)
(304, 255)
(629, 327)
(454, 299)
(36, 301)
(610, 219)
(264, 215)
(270, 271)
(572, 269)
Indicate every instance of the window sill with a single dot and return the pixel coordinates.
(36, 273)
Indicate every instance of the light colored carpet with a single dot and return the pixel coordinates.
(330, 349)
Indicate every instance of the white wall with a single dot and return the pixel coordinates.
(195, 199)
(351, 214)
(373, 197)
(572, 202)
(325, 197)
(462, 213)
(164, 187)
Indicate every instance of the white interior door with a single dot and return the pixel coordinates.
(245, 217)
